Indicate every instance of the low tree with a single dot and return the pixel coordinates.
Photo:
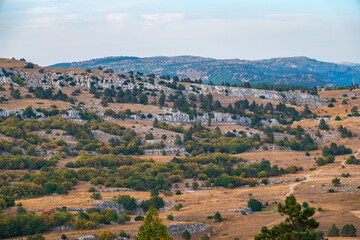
(218, 217)
(348, 230)
(186, 235)
(296, 226)
(96, 196)
(15, 94)
(247, 85)
(143, 99)
(153, 228)
(29, 65)
(177, 140)
(323, 125)
(37, 236)
(305, 205)
(334, 231)
(255, 205)
(149, 136)
(20, 209)
(336, 182)
(123, 234)
(106, 235)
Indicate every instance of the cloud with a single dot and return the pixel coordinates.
(116, 18)
(70, 17)
(154, 19)
(42, 10)
(41, 22)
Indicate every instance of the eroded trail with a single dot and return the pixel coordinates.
(292, 186)
(356, 213)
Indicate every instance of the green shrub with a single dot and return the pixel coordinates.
(255, 205)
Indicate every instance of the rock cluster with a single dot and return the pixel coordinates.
(89, 237)
(119, 209)
(63, 228)
(246, 211)
(166, 150)
(116, 190)
(19, 112)
(180, 117)
(71, 114)
(178, 229)
(302, 98)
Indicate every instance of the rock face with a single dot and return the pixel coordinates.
(7, 113)
(63, 228)
(262, 94)
(246, 211)
(90, 237)
(178, 229)
(71, 114)
(180, 117)
(167, 151)
(119, 209)
(269, 122)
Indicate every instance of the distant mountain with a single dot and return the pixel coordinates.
(290, 70)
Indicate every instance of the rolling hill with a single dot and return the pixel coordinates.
(290, 70)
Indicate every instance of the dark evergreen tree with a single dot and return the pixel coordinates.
(296, 226)
(334, 231)
(348, 230)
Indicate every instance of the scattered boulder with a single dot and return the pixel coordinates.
(246, 211)
(178, 229)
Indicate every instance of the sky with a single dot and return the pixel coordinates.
(52, 31)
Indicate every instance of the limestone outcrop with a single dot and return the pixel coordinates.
(178, 229)
(179, 117)
(65, 78)
(262, 94)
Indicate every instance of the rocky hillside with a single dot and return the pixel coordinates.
(292, 70)
(59, 78)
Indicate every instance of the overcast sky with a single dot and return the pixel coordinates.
(52, 31)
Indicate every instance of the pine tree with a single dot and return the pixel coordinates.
(296, 226)
(318, 134)
(348, 230)
(162, 100)
(323, 125)
(306, 110)
(218, 217)
(155, 122)
(153, 228)
(178, 140)
(186, 235)
(247, 85)
(334, 231)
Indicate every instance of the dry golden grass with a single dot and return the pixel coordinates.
(159, 158)
(339, 208)
(25, 102)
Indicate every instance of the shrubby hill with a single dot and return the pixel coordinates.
(291, 70)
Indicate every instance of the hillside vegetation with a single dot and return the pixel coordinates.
(291, 70)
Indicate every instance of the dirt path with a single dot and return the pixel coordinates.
(292, 186)
(357, 154)
(356, 213)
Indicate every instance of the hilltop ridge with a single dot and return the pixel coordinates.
(284, 70)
